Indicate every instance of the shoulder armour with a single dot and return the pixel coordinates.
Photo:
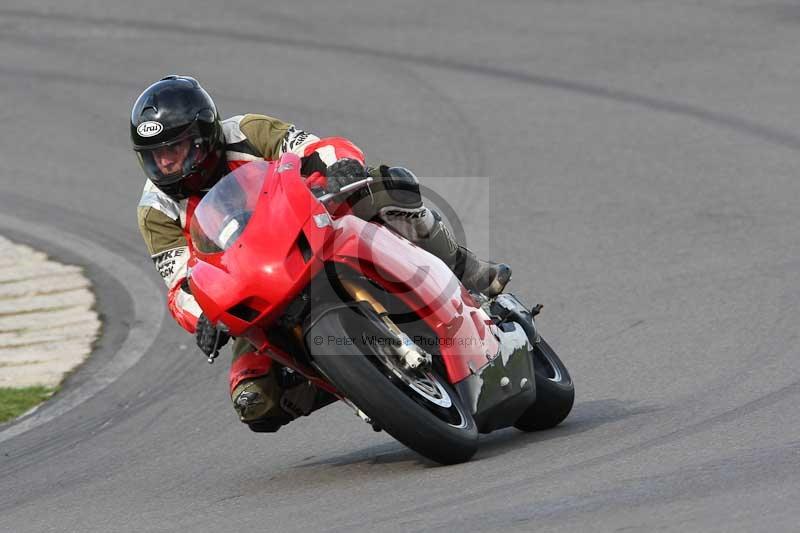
(153, 197)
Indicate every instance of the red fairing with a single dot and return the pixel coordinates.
(265, 268)
(286, 243)
(431, 290)
(330, 149)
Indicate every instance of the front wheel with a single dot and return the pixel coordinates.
(418, 408)
(555, 391)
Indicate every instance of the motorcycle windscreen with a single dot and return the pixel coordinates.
(223, 213)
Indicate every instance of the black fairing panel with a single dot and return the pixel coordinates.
(501, 391)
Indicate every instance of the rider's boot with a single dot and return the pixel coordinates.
(476, 274)
(400, 206)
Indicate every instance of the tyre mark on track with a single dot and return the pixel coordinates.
(494, 489)
(58, 76)
(745, 126)
(687, 483)
(692, 429)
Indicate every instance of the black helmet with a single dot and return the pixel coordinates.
(177, 136)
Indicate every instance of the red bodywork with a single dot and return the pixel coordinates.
(265, 269)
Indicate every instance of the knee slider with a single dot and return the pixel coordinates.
(269, 425)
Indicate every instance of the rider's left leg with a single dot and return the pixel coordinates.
(396, 201)
(258, 397)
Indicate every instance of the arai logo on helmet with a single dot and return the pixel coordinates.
(149, 129)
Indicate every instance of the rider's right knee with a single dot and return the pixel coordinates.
(256, 407)
(255, 398)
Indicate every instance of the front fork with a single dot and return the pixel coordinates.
(410, 355)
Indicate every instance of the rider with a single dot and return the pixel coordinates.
(184, 149)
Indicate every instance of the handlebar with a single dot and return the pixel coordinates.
(344, 190)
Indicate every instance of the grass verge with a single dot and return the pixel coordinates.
(14, 402)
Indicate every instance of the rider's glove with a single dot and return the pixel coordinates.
(343, 173)
(210, 338)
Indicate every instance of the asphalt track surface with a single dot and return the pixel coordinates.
(641, 159)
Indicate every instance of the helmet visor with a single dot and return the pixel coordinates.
(170, 162)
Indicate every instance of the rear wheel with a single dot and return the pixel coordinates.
(418, 407)
(555, 391)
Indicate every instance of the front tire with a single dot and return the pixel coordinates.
(555, 391)
(427, 416)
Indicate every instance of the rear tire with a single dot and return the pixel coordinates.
(447, 435)
(555, 391)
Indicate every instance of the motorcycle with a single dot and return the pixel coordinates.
(367, 316)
